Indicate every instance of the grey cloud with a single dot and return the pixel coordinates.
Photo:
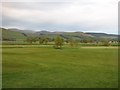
(64, 15)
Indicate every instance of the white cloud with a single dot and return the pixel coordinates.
(90, 14)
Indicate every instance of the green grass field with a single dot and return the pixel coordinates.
(45, 67)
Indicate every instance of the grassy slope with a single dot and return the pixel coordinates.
(12, 34)
(17, 34)
(69, 67)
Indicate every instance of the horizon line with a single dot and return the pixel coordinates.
(60, 31)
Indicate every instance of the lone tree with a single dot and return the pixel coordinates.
(58, 42)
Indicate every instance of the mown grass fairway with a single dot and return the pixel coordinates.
(46, 67)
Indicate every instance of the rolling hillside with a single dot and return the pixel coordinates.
(65, 35)
(12, 35)
(103, 35)
(17, 34)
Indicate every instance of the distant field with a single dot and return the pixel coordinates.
(45, 67)
(23, 42)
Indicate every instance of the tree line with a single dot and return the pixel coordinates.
(59, 41)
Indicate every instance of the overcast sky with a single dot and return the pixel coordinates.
(61, 15)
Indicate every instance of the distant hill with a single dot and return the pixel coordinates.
(22, 31)
(11, 35)
(17, 34)
(65, 35)
(78, 35)
(103, 35)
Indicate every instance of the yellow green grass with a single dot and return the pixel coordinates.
(45, 67)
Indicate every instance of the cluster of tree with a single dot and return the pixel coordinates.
(41, 40)
(59, 41)
(8, 39)
(105, 42)
(31, 40)
(73, 42)
(88, 40)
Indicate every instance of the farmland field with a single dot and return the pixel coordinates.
(45, 67)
